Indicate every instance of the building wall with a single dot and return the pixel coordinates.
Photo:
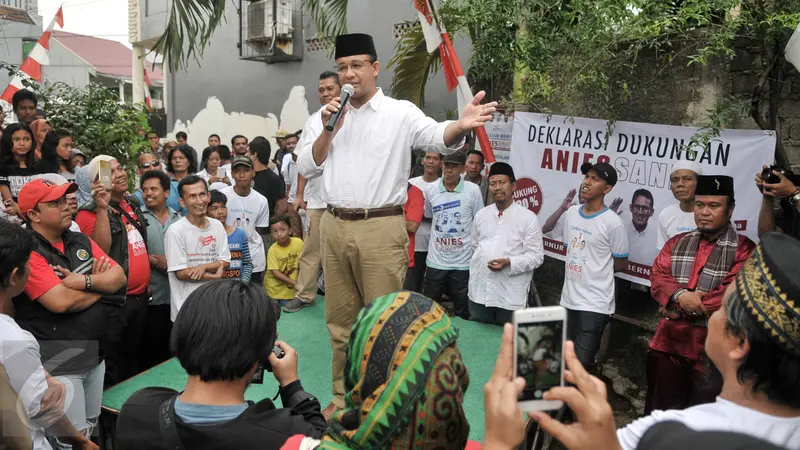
(13, 35)
(229, 96)
(67, 67)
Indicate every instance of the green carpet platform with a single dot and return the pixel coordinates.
(306, 332)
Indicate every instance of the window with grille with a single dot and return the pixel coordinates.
(400, 29)
(21, 4)
(319, 44)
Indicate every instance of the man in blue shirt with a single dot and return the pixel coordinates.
(149, 162)
(155, 190)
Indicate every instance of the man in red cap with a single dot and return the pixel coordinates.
(61, 304)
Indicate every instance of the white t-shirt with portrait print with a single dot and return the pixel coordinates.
(249, 213)
(185, 246)
(592, 242)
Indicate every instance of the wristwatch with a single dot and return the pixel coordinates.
(795, 198)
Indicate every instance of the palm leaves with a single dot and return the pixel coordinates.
(328, 16)
(189, 28)
(413, 66)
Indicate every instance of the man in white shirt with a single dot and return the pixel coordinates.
(679, 218)
(754, 341)
(364, 162)
(196, 246)
(309, 199)
(453, 203)
(642, 235)
(432, 167)
(597, 246)
(508, 247)
(248, 210)
(289, 173)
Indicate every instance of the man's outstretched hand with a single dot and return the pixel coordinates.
(594, 426)
(475, 114)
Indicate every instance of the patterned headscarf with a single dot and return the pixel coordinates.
(404, 377)
(84, 183)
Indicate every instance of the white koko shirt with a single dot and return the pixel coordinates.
(672, 221)
(515, 234)
(592, 241)
(312, 194)
(370, 157)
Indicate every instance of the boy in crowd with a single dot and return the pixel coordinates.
(249, 210)
(597, 246)
(283, 261)
(196, 246)
(241, 267)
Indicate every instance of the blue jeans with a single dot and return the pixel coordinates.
(84, 398)
(585, 329)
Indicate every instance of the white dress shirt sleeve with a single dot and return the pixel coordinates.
(474, 233)
(305, 159)
(532, 250)
(428, 134)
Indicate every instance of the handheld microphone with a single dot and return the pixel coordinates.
(347, 91)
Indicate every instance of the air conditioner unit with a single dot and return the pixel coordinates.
(261, 24)
(259, 21)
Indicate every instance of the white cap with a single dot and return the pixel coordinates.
(54, 177)
(94, 165)
(687, 165)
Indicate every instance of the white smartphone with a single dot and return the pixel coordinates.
(539, 336)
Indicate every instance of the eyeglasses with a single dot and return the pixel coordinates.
(641, 208)
(148, 165)
(355, 65)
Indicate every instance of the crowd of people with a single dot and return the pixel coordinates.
(199, 254)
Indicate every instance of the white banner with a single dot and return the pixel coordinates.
(548, 152)
(499, 132)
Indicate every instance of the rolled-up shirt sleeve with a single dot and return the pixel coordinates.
(305, 159)
(428, 134)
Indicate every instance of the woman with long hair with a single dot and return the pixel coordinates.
(17, 163)
(181, 162)
(57, 153)
(40, 128)
(213, 172)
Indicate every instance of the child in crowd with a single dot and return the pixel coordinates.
(283, 261)
(241, 265)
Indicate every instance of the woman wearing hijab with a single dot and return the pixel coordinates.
(40, 128)
(405, 381)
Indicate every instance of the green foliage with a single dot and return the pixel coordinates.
(99, 123)
(188, 30)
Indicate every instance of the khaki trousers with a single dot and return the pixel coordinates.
(363, 260)
(310, 259)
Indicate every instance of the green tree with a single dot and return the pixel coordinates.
(99, 123)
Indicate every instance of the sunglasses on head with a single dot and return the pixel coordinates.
(148, 165)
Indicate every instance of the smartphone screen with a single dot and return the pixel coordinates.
(539, 357)
(105, 174)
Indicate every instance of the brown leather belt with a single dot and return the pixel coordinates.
(364, 214)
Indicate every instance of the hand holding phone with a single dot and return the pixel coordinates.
(539, 336)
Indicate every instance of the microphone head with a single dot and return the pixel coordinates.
(348, 89)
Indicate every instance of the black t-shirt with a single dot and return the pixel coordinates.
(15, 177)
(271, 186)
(261, 426)
(788, 219)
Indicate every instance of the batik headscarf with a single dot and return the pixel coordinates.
(404, 377)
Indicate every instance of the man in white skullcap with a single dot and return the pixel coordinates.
(679, 218)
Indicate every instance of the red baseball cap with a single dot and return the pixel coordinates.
(41, 191)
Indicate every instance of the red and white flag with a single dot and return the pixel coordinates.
(436, 37)
(147, 85)
(31, 68)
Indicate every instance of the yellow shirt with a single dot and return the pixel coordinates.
(287, 260)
